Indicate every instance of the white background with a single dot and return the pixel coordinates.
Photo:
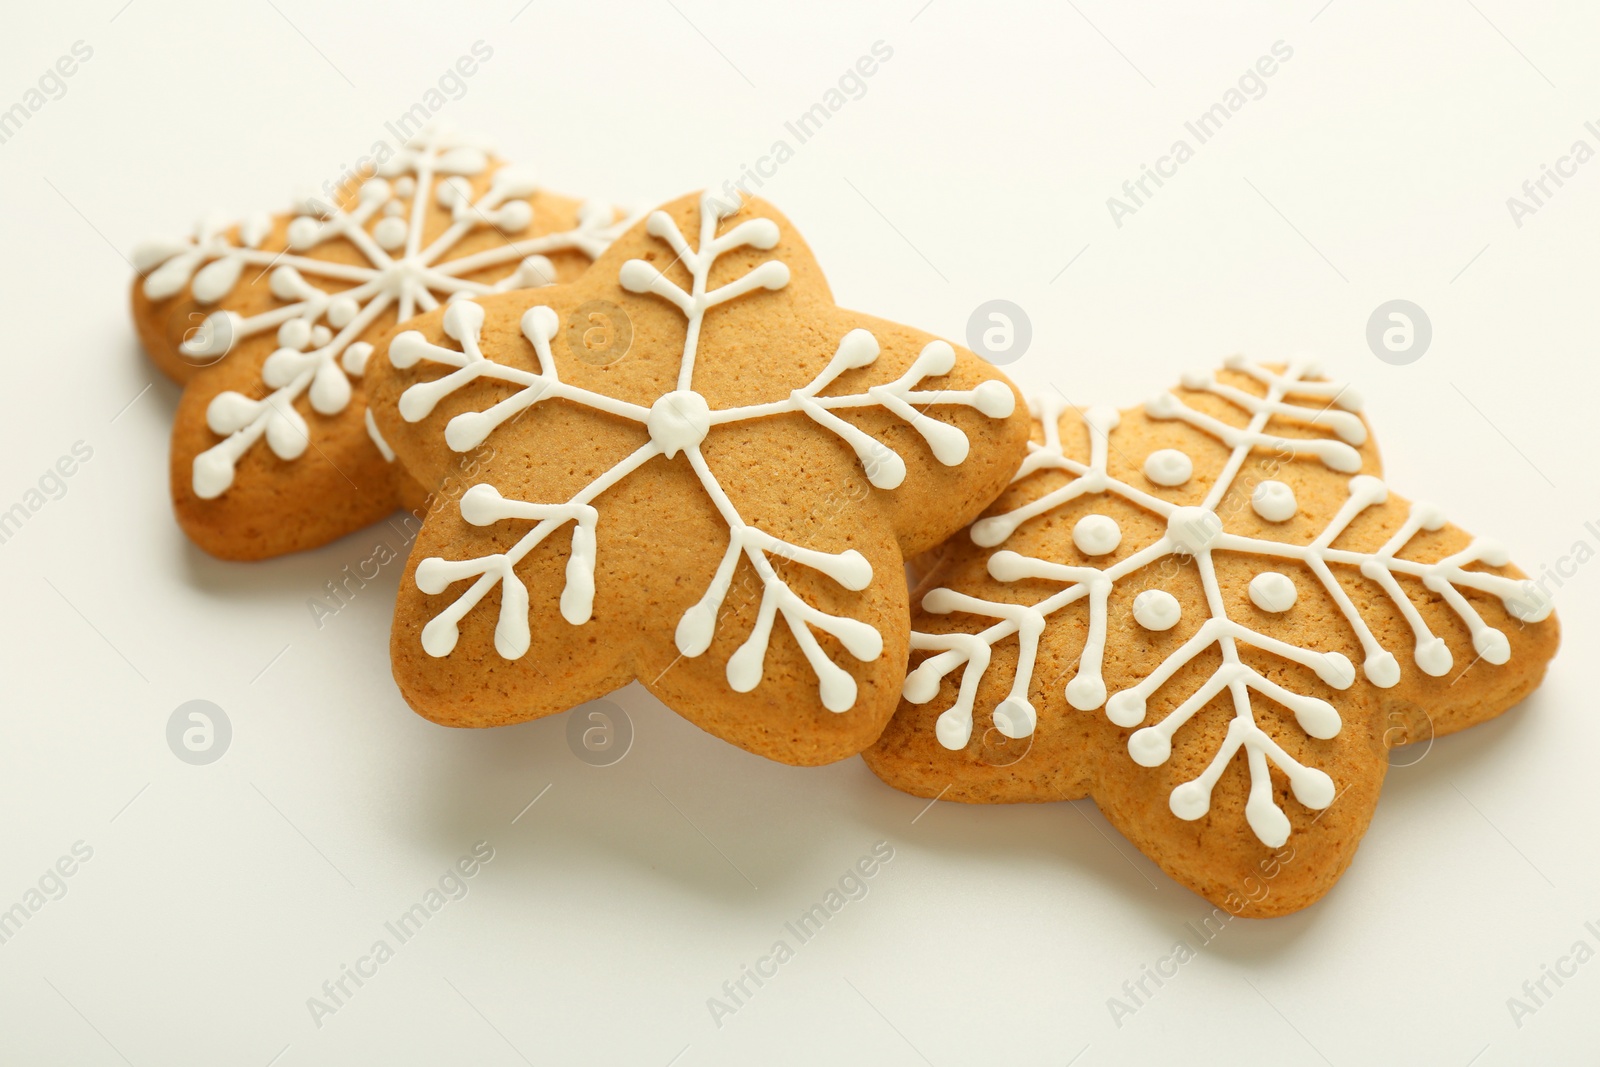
(977, 165)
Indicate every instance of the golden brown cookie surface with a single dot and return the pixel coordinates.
(269, 323)
(1210, 615)
(720, 507)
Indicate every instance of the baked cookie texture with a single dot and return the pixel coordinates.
(689, 468)
(1210, 615)
(268, 323)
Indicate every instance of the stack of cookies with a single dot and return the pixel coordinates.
(654, 449)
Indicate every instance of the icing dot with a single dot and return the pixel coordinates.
(296, 334)
(1095, 535)
(1273, 501)
(303, 232)
(390, 232)
(342, 311)
(1168, 466)
(452, 191)
(1190, 801)
(1015, 718)
(1156, 609)
(1149, 747)
(354, 361)
(514, 216)
(1274, 592)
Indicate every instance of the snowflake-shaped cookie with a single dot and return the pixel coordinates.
(758, 454)
(270, 322)
(1220, 574)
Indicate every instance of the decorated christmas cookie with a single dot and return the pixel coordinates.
(269, 323)
(1211, 615)
(716, 501)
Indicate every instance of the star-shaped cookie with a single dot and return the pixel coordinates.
(720, 508)
(1212, 616)
(268, 323)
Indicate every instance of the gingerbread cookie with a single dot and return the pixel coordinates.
(1211, 616)
(752, 454)
(269, 323)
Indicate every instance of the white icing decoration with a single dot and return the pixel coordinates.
(677, 423)
(1272, 591)
(1273, 501)
(1197, 533)
(377, 438)
(1096, 535)
(1168, 467)
(1157, 609)
(312, 359)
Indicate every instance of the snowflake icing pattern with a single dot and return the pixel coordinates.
(319, 330)
(677, 423)
(1196, 532)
